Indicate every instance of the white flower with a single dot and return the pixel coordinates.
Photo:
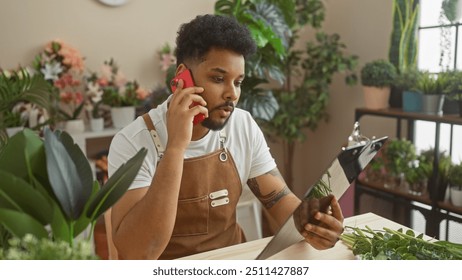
(95, 92)
(51, 71)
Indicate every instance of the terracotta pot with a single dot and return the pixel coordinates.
(376, 98)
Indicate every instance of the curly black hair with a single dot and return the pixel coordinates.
(196, 38)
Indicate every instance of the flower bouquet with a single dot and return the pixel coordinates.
(117, 91)
(62, 66)
(111, 85)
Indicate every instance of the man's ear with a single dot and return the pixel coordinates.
(180, 69)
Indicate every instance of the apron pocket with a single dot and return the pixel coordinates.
(192, 217)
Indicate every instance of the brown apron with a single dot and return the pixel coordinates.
(209, 192)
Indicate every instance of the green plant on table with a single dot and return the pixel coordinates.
(378, 73)
(48, 190)
(455, 175)
(389, 244)
(407, 80)
(399, 154)
(432, 84)
(454, 85)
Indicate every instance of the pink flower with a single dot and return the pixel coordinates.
(106, 71)
(119, 79)
(141, 93)
(66, 97)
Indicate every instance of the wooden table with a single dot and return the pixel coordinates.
(298, 251)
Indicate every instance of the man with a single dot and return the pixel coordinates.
(183, 200)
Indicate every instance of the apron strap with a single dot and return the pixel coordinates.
(155, 137)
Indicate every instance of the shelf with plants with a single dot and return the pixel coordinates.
(435, 208)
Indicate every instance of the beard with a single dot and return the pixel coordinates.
(218, 125)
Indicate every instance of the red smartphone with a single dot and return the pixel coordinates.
(188, 82)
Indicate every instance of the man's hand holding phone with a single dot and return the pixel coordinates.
(188, 82)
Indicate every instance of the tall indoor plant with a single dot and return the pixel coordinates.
(304, 76)
(403, 42)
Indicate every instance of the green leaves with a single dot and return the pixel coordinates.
(116, 186)
(388, 244)
(69, 173)
(47, 187)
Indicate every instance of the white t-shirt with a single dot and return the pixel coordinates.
(245, 141)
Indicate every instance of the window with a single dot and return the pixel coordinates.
(440, 48)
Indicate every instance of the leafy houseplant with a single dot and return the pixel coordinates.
(20, 94)
(433, 88)
(304, 75)
(437, 185)
(48, 190)
(378, 73)
(398, 157)
(455, 181)
(453, 91)
(406, 82)
(377, 77)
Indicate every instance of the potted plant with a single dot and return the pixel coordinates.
(117, 92)
(432, 87)
(453, 91)
(48, 189)
(302, 77)
(23, 96)
(437, 186)
(403, 44)
(399, 154)
(417, 176)
(455, 181)
(406, 82)
(377, 77)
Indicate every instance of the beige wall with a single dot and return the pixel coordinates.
(133, 33)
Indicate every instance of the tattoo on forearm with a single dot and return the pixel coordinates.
(273, 197)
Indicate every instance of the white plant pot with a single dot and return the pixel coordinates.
(97, 124)
(74, 126)
(456, 196)
(122, 116)
(459, 11)
(376, 98)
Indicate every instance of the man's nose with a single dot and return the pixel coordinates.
(232, 93)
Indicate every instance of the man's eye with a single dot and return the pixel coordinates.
(218, 79)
